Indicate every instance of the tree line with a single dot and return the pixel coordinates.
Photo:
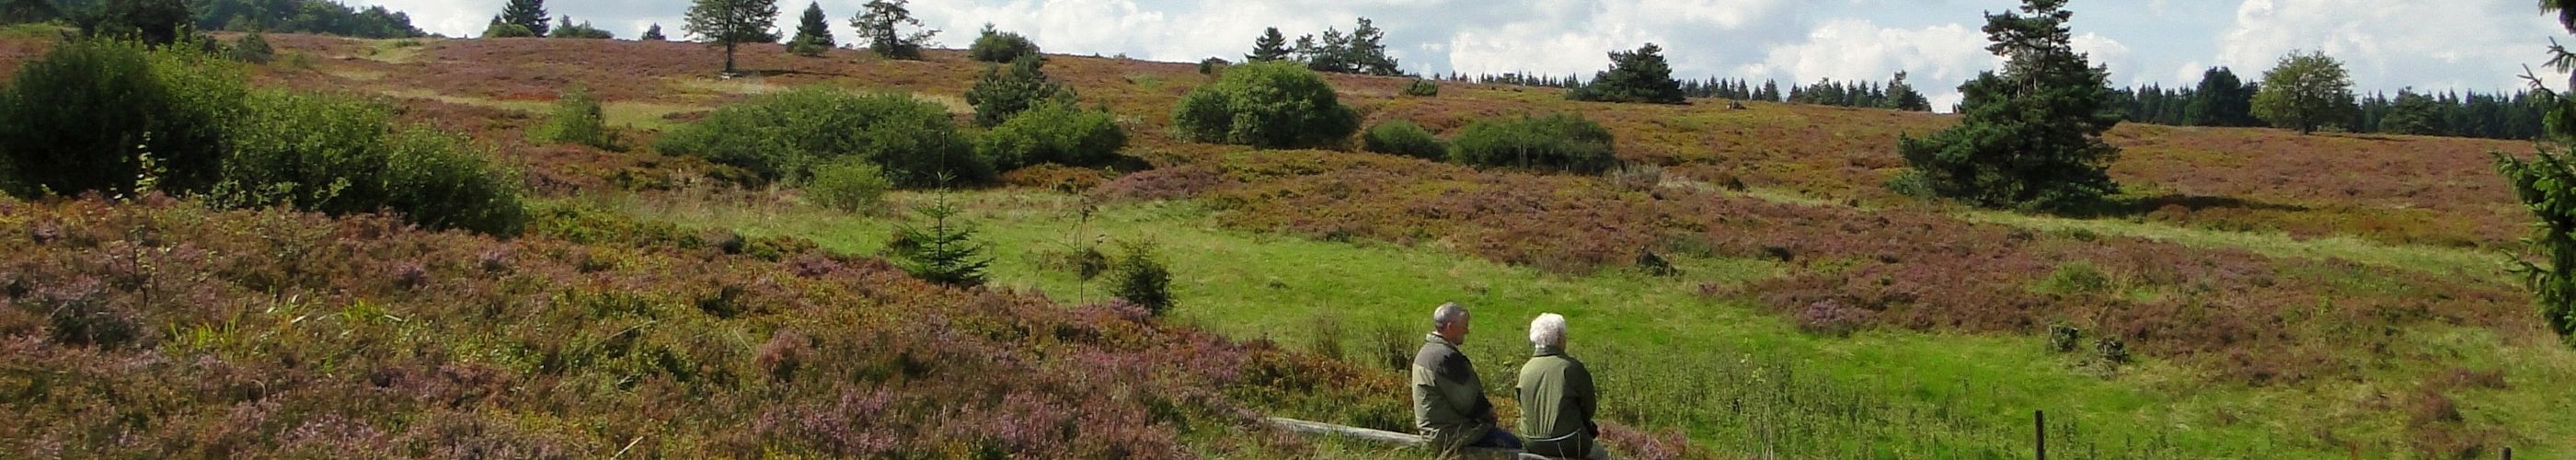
(290, 16)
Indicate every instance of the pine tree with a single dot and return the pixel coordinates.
(812, 29)
(2031, 135)
(1634, 76)
(881, 22)
(654, 33)
(730, 23)
(1366, 52)
(526, 13)
(1270, 47)
(1901, 95)
(1001, 92)
(944, 252)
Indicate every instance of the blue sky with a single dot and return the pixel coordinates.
(2387, 44)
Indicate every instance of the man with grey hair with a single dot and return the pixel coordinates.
(1449, 402)
(1557, 399)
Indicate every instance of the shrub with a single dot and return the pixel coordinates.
(81, 117)
(1212, 65)
(1141, 278)
(779, 136)
(1053, 132)
(1422, 88)
(1000, 47)
(252, 48)
(1400, 137)
(1561, 142)
(944, 252)
(1003, 91)
(1832, 318)
(2063, 338)
(1636, 177)
(579, 120)
(850, 184)
(567, 29)
(1267, 105)
(342, 156)
(807, 48)
(506, 30)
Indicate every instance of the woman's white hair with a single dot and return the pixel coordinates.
(1548, 330)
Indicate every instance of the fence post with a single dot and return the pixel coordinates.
(2040, 419)
(2508, 453)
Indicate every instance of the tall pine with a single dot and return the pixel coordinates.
(1270, 47)
(812, 30)
(526, 13)
(882, 24)
(2031, 135)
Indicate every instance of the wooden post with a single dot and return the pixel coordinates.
(2508, 453)
(2040, 419)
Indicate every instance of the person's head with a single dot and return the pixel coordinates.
(1450, 321)
(1548, 331)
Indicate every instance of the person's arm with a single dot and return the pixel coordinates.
(1579, 387)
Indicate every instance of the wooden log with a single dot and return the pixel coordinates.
(1390, 437)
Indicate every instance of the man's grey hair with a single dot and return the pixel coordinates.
(1548, 330)
(1448, 313)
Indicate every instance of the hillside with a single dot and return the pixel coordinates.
(2307, 296)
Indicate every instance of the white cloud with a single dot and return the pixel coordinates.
(2388, 44)
(1935, 58)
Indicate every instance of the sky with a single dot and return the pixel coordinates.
(2386, 44)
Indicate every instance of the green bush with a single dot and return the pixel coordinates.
(849, 184)
(81, 118)
(1422, 88)
(252, 48)
(578, 119)
(1000, 47)
(1402, 137)
(1141, 278)
(339, 155)
(807, 48)
(1559, 142)
(780, 136)
(507, 30)
(1003, 91)
(1053, 132)
(1268, 105)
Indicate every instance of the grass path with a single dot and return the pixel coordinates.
(1738, 380)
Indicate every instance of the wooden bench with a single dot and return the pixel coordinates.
(1390, 437)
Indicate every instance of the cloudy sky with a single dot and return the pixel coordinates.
(2387, 44)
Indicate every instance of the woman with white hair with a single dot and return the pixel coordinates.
(1557, 399)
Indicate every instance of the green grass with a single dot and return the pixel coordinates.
(1738, 380)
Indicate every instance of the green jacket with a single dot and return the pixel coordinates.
(1557, 405)
(1448, 399)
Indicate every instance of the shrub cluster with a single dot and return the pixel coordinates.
(87, 114)
(1000, 47)
(1559, 142)
(117, 118)
(1422, 88)
(1053, 132)
(341, 156)
(1400, 137)
(1272, 104)
(781, 136)
(252, 48)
